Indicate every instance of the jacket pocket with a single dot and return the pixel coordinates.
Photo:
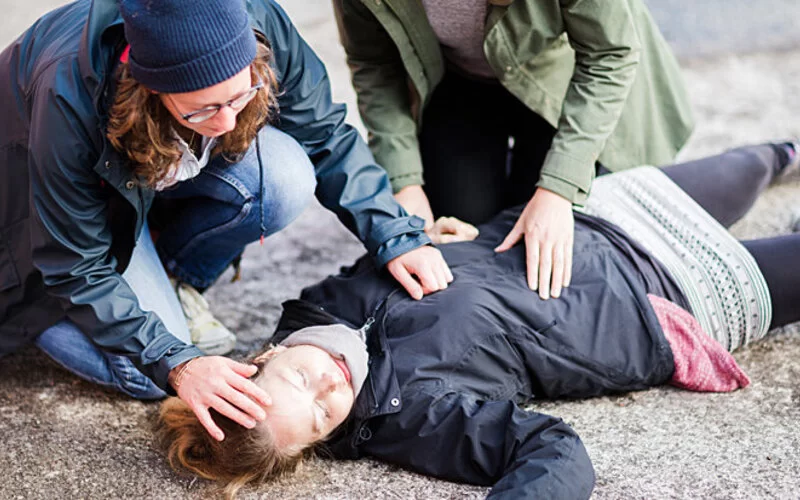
(9, 277)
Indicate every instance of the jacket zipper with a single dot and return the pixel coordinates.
(371, 318)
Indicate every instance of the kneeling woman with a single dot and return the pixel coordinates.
(659, 291)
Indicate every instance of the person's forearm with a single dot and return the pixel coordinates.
(384, 98)
(607, 53)
(350, 183)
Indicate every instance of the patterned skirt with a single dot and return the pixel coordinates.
(720, 279)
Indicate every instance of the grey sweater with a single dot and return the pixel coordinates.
(459, 26)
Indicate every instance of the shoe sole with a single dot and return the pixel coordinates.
(219, 348)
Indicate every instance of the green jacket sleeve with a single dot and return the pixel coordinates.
(603, 35)
(381, 83)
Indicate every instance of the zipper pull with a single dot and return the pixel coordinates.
(364, 329)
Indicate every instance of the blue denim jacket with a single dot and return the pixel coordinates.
(61, 255)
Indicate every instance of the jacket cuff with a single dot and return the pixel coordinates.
(400, 236)
(165, 353)
(401, 181)
(567, 176)
(562, 188)
(400, 157)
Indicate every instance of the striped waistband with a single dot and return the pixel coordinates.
(720, 279)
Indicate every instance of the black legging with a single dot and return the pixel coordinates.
(726, 186)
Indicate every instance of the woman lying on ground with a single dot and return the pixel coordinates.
(435, 385)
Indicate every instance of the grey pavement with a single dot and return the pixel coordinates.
(64, 438)
(706, 28)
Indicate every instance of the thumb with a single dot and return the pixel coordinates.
(511, 239)
(447, 225)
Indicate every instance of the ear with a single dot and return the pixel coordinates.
(269, 354)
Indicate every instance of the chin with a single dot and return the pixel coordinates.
(215, 133)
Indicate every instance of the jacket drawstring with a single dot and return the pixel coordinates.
(237, 261)
(261, 189)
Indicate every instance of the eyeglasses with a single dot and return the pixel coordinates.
(236, 103)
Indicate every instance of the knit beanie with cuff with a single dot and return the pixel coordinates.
(186, 45)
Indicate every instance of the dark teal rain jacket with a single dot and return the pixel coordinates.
(71, 209)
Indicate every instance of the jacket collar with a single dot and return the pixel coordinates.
(101, 40)
(381, 389)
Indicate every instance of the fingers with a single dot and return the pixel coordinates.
(244, 403)
(431, 279)
(221, 383)
(405, 279)
(532, 261)
(547, 224)
(201, 411)
(243, 369)
(440, 239)
(443, 274)
(448, 274)
(233, 413)
(241, 382)
(421, 271)
(511, 239)
(451, 229)
(549, 268)
(558, 271)
(545, 271)
(568, 263)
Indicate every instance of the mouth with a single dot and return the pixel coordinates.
(343, 366)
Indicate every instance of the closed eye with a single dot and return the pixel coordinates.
(325, 410)
(303, 376)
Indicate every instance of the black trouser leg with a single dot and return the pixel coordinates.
(533, 136)
(464, 145)
(779, 261)
(727, 185)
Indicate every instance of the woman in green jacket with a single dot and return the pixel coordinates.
(512, 101)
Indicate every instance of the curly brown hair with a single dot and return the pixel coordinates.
(246, 456)
(141, 127)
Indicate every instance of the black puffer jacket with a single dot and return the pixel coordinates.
(447, 372)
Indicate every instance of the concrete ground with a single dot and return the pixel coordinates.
(64, 438)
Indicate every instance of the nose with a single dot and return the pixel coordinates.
(329, 383)
(227, 118)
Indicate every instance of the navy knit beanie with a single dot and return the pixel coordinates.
(187, 45)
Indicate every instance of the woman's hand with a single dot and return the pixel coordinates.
(450, 230)
(421, 271)
(415, 201)
(548, 226)
(223, 384)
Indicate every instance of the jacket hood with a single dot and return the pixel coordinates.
(103, 36)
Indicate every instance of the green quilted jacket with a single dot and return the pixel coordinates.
(597, 70)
